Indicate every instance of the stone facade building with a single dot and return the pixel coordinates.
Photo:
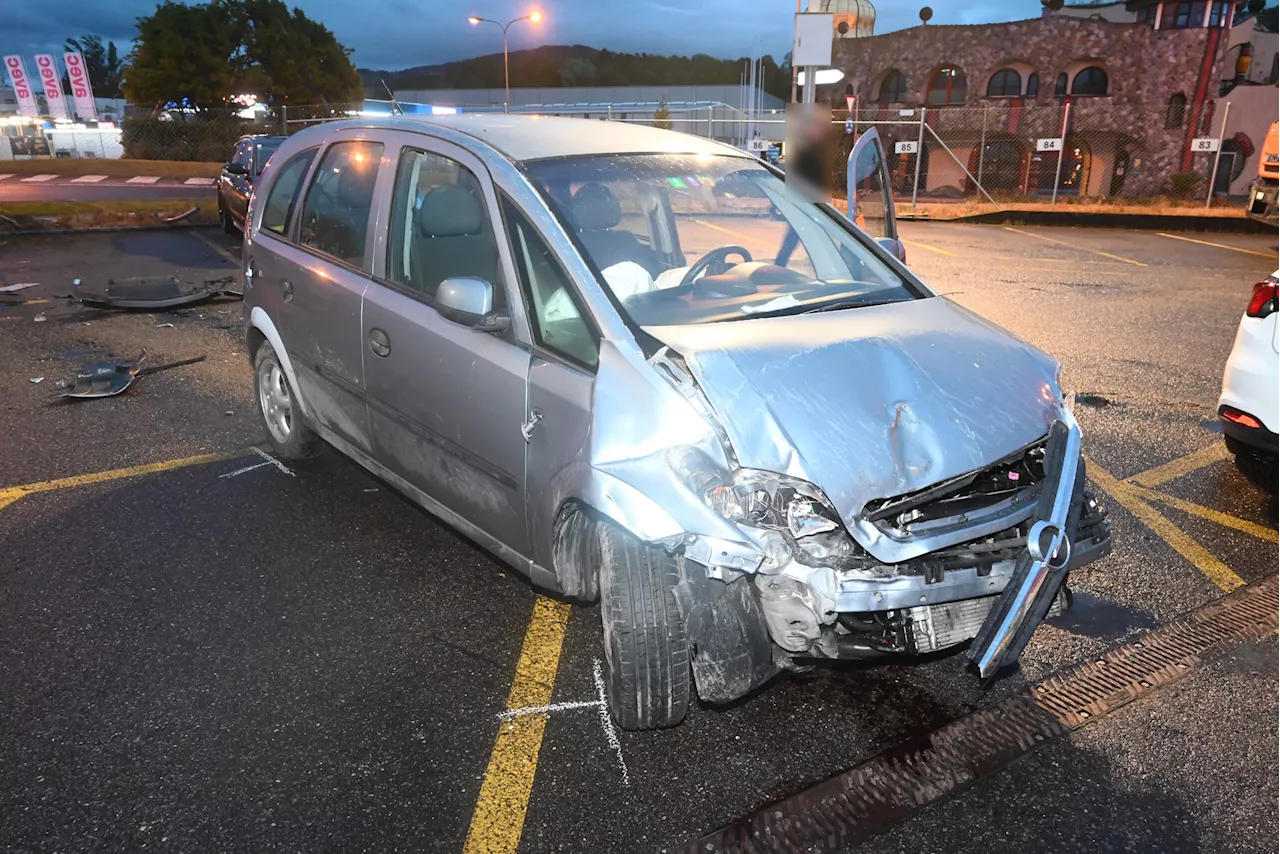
(1127, 96)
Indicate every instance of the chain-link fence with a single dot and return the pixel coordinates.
(1083, 152)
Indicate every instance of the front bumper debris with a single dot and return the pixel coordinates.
(1042, 567)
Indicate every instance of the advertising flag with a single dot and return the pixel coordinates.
(47, 68)
(21, 86)
(81, 91)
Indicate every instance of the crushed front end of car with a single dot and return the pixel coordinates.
(933, 499)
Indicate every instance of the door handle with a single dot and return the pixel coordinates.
(379, 343)
(526, 429)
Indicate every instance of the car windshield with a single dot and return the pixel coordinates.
(682, 239)
(265, 149)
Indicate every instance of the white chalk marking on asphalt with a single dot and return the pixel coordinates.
(544, 710)
(200, 182)
(88, 179)
(38, 179)
(143, 179)
(284, 468)
(4, 176)
(238, 472)
(606, 722)
(11, 288)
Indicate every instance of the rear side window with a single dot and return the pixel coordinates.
(284, 192)
(335, 215)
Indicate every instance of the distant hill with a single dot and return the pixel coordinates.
(574, 65)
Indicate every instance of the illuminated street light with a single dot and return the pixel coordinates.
(533, 18)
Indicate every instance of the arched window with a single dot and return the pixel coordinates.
(1090, 81)
(1060, 88)
(893, 88)
(1176, 111)
(1033, 85)
(946, 88)
(1005, 83)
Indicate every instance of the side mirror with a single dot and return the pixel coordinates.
(236, 169)
(469, 300)
(894, 247)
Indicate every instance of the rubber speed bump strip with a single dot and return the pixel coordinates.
(851, 807)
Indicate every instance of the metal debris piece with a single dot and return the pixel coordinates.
(156, 292)
(40, 318)
(183, 215)
(36, 379)
(103, 379)
(164, 326)
(8, 289)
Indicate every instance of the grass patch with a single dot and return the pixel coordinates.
(115, 212)
(111, 168)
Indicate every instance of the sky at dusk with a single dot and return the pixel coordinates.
(393, 34)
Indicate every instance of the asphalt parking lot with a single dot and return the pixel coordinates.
(203, 650)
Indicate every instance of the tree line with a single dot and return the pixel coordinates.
(578, 65)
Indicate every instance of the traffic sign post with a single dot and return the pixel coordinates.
(1057, 145)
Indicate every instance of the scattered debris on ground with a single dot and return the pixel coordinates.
(156, 293)
(107, 379)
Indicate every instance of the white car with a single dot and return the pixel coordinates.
(1249, 408)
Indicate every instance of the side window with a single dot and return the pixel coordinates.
(440, 227)
(555, 313)
(335, 215)
(241, 154)
(284, 192)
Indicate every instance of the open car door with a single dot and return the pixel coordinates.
(870, 193)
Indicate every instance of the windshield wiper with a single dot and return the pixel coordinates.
(849, 303)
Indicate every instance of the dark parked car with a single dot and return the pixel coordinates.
(235, 184)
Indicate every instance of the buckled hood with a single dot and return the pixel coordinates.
(871, 402)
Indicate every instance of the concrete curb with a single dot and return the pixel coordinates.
(1151, 222)
(58, 232)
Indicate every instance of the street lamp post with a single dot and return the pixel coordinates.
(533, 18)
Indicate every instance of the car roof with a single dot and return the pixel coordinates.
(525, 137)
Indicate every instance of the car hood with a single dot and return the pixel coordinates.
(871, 402)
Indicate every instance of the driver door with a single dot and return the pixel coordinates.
(870, 193)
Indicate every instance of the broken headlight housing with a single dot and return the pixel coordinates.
(765, 499)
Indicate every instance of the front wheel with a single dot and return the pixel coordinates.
(646, 651)
(278, 406)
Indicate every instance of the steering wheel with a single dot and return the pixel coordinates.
(718, 258)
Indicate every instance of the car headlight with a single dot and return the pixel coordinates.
(765, 499)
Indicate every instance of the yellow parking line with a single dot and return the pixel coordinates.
(1225, 519)
(10, 494)
(1132, 500)
(498, 820)
(1075, 246)
(930, 248)
(221, 250)
(729, 231)
(1175, 469)
(1270, 255)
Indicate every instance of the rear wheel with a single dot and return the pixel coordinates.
(278, 406)
(228, 224)
(1261, 471)
(646, 651)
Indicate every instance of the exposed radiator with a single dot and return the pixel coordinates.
(936, 627)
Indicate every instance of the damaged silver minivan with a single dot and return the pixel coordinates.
(635, 366)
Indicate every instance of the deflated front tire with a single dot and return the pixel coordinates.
(646, 648)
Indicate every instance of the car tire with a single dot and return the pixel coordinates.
(648, 679)
(1262, 472)
(228, 225)
(277, 405)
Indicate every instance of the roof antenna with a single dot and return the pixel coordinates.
(395, 105)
